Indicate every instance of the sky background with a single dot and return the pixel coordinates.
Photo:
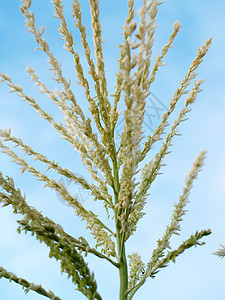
(197, 274)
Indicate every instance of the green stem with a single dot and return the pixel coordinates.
(123, 276)
(122, 261)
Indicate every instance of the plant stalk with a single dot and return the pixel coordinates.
(123, 275)
(122, 260)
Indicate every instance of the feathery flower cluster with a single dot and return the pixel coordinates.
(113, 169)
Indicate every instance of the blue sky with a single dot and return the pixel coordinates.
(197, 274)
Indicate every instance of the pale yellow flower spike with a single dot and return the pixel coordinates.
(60, 101)
(159, 59)
(119, 76)
(103, 101)
(179, 92)
(152, 168)
(178, 212)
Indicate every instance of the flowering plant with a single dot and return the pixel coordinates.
(113, 168)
